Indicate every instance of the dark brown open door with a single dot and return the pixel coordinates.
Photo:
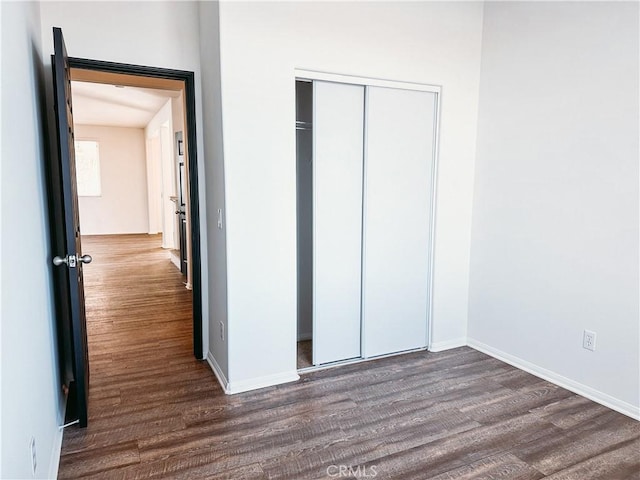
(65, 233)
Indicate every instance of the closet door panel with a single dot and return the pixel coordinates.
(399, 162)
(338, 129)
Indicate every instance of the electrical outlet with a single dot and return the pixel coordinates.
(222, 330)
(589, 340)
(34, 458)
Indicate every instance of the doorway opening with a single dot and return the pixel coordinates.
(132, 157)
(67, 251)
(133, 149)
(167, 183)
(132, 185)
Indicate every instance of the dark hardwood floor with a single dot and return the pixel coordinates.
(156, 412)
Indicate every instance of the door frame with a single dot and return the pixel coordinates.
(190, 117)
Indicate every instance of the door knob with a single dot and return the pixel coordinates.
(57, 261)
(85, 259)
(71, 260)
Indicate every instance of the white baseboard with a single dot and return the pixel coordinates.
(304, 336)
(564, 382)
(262, 382)
(448, 344)
(222, 380)
(251, 384)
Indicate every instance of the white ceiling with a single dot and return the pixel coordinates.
(104, 104)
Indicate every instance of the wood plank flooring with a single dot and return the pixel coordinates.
(155, 412)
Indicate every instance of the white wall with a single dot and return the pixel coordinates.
(159, 34)
(217, 266)
(177, 113)
(154, 184)
(261, 45)
(32, 402)
(161, 125)
(122, 207)
(168, 188)
(555, 220)
(177, 123)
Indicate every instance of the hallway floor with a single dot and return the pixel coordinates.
(139, 326)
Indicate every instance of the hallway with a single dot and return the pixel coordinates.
(140, 352)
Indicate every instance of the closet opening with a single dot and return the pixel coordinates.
(366, 153)
(304, 171)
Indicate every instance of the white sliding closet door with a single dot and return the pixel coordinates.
(338, 129)
(399, 160)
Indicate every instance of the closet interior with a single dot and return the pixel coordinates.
(365, 199)
(304, 191)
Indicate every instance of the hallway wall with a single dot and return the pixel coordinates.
(122, 206)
